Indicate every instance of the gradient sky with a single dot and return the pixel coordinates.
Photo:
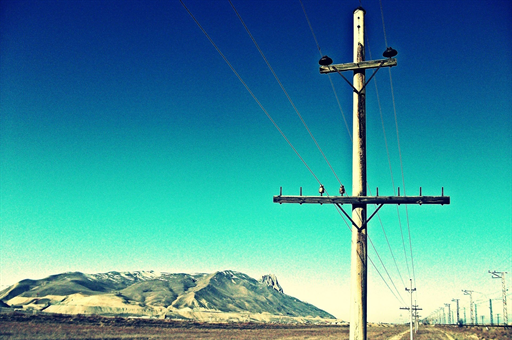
(127, 143)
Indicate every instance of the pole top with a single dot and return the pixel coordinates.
(360, 9)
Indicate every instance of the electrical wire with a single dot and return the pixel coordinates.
(284, 90)
(400, 300)
(383, 26)
(328, 75)
(402, 172)
(249, 90)
(399, 148)
(391, 173)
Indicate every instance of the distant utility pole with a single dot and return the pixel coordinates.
(482, 320)
(476, 315)
(449, 313)
(465, 320)
(498, 316)
(490, 309)
(359, 199)
(501, 275)
(457, 300)
(412, 308)
(470, 293)
(416, 315)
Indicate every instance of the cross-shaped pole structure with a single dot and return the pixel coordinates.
(501, 275)
(359, 199)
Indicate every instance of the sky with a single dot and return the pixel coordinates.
(128, 143)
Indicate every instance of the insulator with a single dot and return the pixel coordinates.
(325, 61)
(390, 52)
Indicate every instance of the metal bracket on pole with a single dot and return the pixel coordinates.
(373, 74)
(365, 223)
(348, 82)
(364, 86)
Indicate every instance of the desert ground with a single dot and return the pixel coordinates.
(22, 326)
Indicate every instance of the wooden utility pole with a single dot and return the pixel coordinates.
(359, 199)
(359, 254)
(501, 275)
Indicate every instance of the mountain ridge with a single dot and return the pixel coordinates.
(222, 295)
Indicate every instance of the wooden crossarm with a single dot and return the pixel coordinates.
(358, 66)
(363, 199)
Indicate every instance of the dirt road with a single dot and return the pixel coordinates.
(453, 332)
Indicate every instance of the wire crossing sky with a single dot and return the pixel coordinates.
(127, 143)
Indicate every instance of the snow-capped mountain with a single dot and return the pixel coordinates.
(223, 295)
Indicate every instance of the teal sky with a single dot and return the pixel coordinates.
(127, 143)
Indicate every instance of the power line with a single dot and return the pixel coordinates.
(392, 282)
(383, 26)
(402, 172)
(250, 92)
(391, 174)
(284, 90)
(400, 300)
(329, 76)
(311, 27)
(398, 141)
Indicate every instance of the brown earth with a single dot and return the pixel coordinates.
(38, 327)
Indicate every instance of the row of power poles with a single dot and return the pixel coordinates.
(439, 316)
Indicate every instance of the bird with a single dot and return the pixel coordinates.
(342, 190)
(321, 190)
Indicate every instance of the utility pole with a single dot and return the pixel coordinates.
(482, 320)
(449, 313)
(465, 320)
(501, 275)
(470, 293)
(412, 290)
(498, 316)
(416, 308)
(490, 310)
(411, 309)
(476, 315)
(457, 301)
(359, 199)
(358, 268)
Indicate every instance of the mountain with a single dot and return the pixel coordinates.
(220, 296)
(271, 280)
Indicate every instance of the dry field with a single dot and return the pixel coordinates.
(38, 327)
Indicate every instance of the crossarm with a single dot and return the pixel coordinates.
(363, 199)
